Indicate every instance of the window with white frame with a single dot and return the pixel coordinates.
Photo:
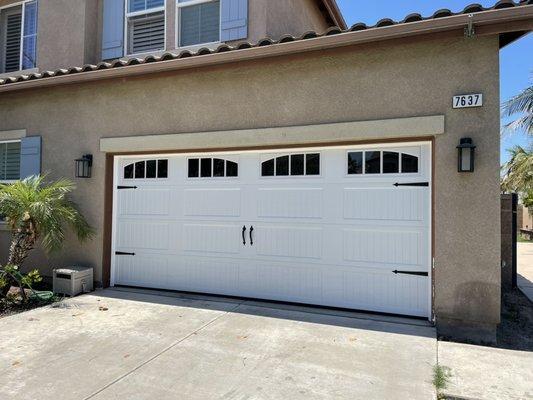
(18, 37)
(145, 26)
(9, 161)
(198, 22)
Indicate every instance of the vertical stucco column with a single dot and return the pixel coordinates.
(467, 208)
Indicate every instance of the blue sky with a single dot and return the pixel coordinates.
(516, 60)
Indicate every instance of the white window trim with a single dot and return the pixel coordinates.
(177, 21)
(10, 180)
(128, 15)
(18, 72)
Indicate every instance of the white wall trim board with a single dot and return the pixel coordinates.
(13, 134)
(292, 135)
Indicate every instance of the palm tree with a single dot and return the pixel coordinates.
(518, 171)
(521, 104)
(37, 211)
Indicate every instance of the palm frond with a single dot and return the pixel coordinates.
(521, 104)
(48, 206)
(518, 171)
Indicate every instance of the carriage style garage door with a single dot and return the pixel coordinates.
(342, 226)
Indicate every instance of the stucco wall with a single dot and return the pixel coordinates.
(375, 81)
(61, 41)
(294, 17)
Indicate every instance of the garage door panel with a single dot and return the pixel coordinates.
(144, 202)
(212, 202)
(139, 270)
(290, 203)
(386, 292)
(143, 235)
(201, 274)
(385, 204)
(211, 238)
(346, 238)
(382, 246)
(283, 241)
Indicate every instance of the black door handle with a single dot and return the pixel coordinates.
(251, 237)
(244, 235)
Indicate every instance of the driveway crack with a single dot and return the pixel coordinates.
(166, 349)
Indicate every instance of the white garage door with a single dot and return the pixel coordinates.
(341, 227)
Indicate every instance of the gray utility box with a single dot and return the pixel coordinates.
(72, 281)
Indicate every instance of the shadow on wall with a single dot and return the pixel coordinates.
(473, 298)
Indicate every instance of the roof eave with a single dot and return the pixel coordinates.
(494, 22)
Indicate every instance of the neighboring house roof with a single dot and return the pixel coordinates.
(510, 20)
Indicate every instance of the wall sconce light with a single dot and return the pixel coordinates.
(466, 155)
(84, 166)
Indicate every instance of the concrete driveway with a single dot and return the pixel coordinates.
(124, 344)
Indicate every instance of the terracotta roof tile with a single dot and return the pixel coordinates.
(168, 56)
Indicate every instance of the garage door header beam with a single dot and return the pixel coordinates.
(397, 128)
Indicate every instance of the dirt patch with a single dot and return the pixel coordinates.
(13, 304)
(516, 329)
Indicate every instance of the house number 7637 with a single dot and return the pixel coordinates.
(468, 100)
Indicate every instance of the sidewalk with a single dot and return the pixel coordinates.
(486, 373)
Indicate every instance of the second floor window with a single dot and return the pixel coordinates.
(145, 21)
(18, 37)
(198, 22)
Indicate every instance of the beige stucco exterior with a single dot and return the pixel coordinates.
(378, 81)
(76, 43)
(294, 18)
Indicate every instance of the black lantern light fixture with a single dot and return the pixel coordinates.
(84, 166)
(466, 150)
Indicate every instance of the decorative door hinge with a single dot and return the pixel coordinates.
(425, 184)
(122, 253)
(418, 273)
(126, 187)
